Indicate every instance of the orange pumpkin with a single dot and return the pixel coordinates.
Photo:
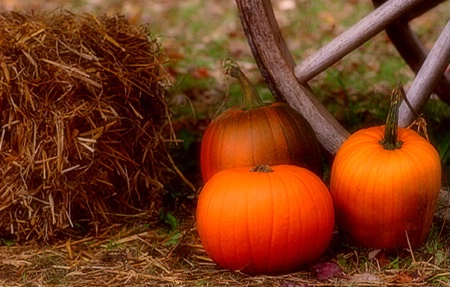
(265, 220)
(255, 133)
(385, 183)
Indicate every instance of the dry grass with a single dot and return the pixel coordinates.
(149, 256)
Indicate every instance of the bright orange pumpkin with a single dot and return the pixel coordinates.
(266, 220)
(385, 183)
(255, 133)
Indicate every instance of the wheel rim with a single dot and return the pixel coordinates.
(289, 83)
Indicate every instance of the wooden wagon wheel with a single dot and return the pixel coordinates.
(288, 81)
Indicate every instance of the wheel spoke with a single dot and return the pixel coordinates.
(289, 82)
(409, 46)
(418, 10)
(276, 65)
(352, 38)
(428, 76)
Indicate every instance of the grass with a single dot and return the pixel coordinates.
(355, 91)
(141, 256)
(168, 253)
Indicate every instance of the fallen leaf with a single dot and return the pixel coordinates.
(15, 262)
(327, 270)
(374, 253)
(381, 258)
(404, 278)
(291, 284)
(364, 278)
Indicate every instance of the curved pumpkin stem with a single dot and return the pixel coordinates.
(390, 141)
(251, 98)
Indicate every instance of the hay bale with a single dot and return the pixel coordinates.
(83, 121)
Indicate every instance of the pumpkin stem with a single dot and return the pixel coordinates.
(251, 98)
(390, 141)
(261, 168)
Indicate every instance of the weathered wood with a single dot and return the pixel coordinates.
(276, 65)
(409, 46)
(352, 38)
(418, 10)
(289, 82)
(428, 76)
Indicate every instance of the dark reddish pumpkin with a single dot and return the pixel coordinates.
(265, 221)
(255, 133)
(385, 183)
